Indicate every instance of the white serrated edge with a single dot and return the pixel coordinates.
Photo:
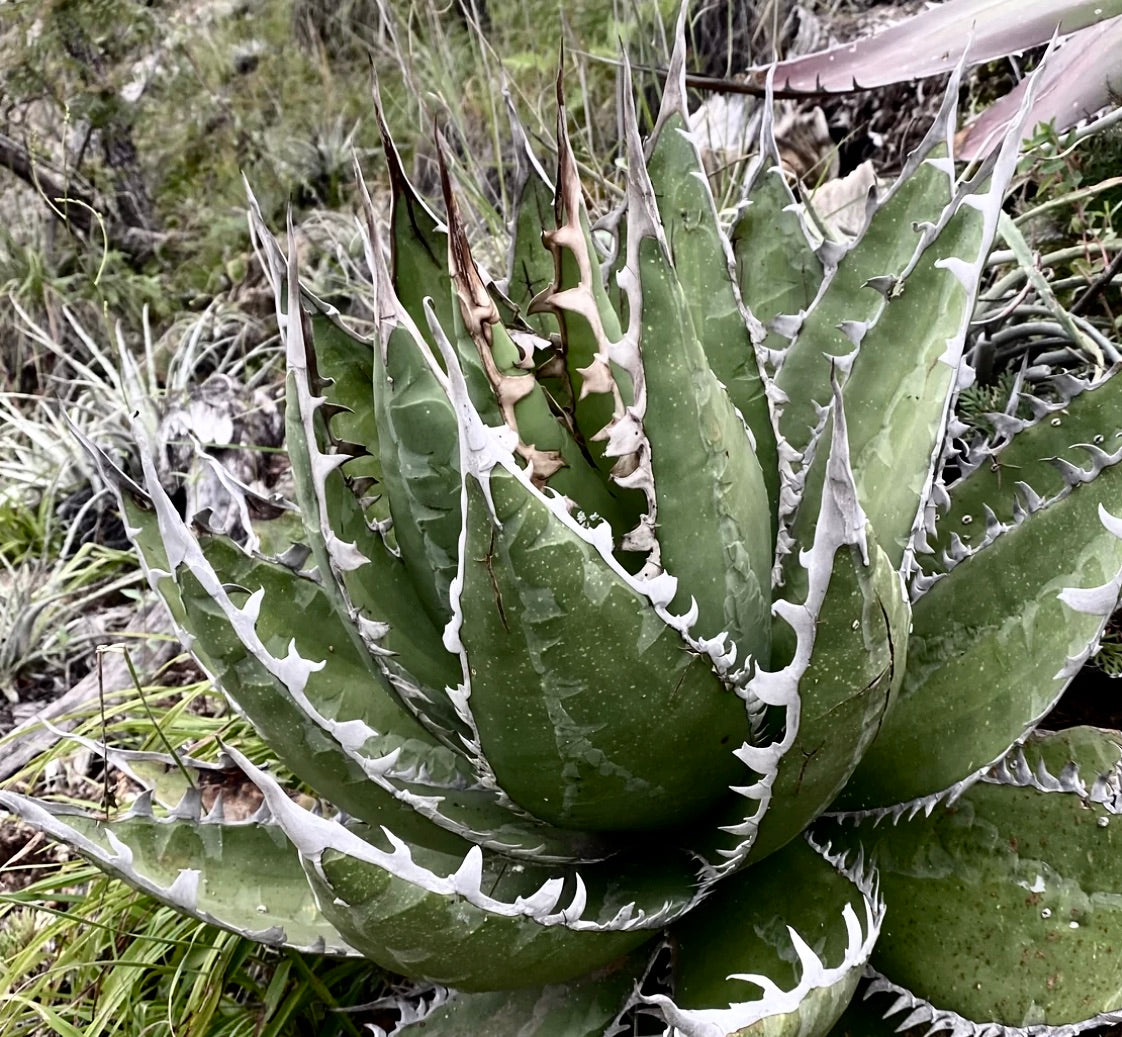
(841, 523)
(313, 835)
(814, 973)
(182, 892)
(942, 1021)
(1014, 770)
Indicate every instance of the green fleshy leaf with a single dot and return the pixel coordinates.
(589, 710)
(1093, 751)
(1092, 416)
(531, 266)
(419, 447)
(745, 930)
(593, 387)
(551, 454)
(713, 513)
(243, 876)
(443, 939)
(778, 271)
(300, 743)
(348, 688)
(1004, 907)
(881, 251)
(418, 243)
(471, 918)
(587, 1007)
(345, 370)
(860, 645)
(371, 590)
(701, 258)
(993, 644)
(896, 394)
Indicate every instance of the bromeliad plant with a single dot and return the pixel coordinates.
(605, 594)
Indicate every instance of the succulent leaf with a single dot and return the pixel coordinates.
(774, 952)
(243, 876)
(861, 640)
(858, 289)
(779, 272)
(1002, 907)
(588, 1007)
(709, 525)
(417, 439)
(846, 577)
(472, 920)
(418, 240)
(595, 388)
(1035, 463)
(531, 270)
(937, 39)
(1035, 614)
(702, 257)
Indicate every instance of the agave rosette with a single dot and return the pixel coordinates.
(617, 576)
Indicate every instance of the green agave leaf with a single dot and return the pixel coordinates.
(531, 270)
(417, 437)
(845, 665)
(551, 454)
(595, 387)
(587, 1007)
(243, 876)
(775, 951)
(419, 242)
(709, 517)
(1034, 464)
(576, 682)
(344, 369)
(854, 294)
(476, 920)
(1004, 907)
(702, 259)
(372, 592)
(778, 271)
(899, 397)
(612, 725)
(994, 643)
(1083, 760)
(855, 671)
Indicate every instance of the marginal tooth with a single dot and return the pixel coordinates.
(185, 889)
(1072, 474)
(142, 805)
(217, 812)
(189, 808)
(468, 878)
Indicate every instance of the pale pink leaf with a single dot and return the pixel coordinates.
(934, 40)
(1080, 78)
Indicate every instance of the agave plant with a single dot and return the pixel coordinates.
(657, 673)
